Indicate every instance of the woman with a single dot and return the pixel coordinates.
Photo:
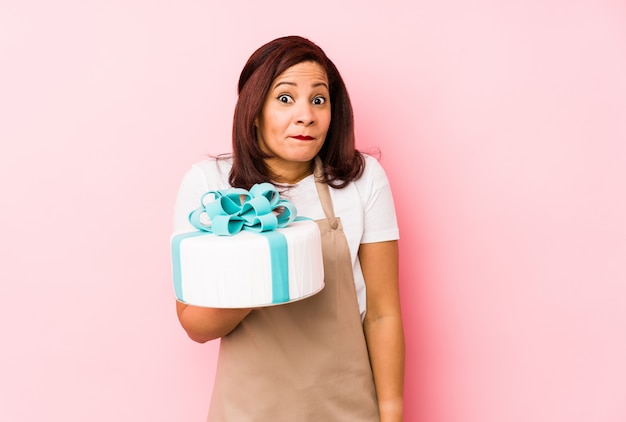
(338, 355)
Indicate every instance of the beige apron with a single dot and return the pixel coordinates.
(302, 361)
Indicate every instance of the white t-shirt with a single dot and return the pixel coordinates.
(365, 206)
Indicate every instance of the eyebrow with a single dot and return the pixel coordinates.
(315, 85)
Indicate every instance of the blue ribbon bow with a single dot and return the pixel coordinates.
(259, 210)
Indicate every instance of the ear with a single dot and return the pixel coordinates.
(256, 122)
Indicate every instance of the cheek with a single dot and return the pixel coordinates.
(275, 122)
(326, 120)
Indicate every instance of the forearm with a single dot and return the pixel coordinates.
(204, 324)
(383, 325)
(385, 342)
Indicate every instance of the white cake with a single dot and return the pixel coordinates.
(237, 271)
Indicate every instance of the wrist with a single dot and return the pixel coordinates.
(391, 411)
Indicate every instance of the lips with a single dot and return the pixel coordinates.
(303, 137)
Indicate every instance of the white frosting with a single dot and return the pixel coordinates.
(235, 271)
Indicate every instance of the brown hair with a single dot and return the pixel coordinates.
(341, 161)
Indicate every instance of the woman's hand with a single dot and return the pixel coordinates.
(204, 324)
(383, 326)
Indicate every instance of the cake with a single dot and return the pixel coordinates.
(250, 250)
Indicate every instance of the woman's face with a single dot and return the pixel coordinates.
(295, 116)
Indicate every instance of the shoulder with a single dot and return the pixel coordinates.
(373, 174)
(211, 172)
(372, 165)
(206, 175)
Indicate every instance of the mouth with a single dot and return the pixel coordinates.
(303, 137)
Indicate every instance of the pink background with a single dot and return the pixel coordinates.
(502, 127)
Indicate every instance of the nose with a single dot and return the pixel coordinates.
(305, 114)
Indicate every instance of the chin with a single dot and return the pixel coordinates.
(298, 156)
(301, 158)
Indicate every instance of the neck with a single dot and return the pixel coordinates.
(291, 173)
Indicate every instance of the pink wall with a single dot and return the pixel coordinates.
(503, 130)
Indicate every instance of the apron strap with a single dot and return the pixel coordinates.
(322, 189)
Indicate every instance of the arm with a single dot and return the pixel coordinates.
(383, 325)
(204, 324)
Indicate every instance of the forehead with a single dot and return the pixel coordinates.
(303, 72)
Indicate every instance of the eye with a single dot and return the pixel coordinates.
(319, 100)
(284, 98)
